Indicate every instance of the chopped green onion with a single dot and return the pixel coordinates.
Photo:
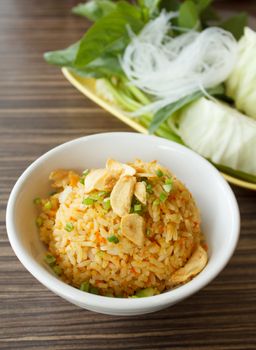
(113, 239)
(146, 292)
(86, 172)
(169, 181)
(50, 259)
(39, 221)
(137, 208)
(149, 188)
(167, 188)
(163, 196)
(94, 290)
(148, 232)
(88, 201)
(102, 193)
(57, 270)
(81, 180)
(106, 204)
(98, 196)
(85, 286)
(156, 202)
(48, 205)
(37, 200)
(69, 227)
(159, 173)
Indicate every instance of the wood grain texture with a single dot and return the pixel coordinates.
(39, 110)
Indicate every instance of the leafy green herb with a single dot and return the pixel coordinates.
(152, 7)
(85, 286)
(63, 58)
(165, 113)
(235, 24)
(170, 5)
(209, 16)
(113, 239)
(69, 227)
(188, 15)
(202, 5)
(109, 34)
(105, 66)
(94, 9)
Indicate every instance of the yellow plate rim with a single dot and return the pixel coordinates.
(124, 118)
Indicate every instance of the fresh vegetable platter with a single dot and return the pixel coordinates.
(175, 69)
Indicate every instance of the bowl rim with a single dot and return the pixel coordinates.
(83, 298)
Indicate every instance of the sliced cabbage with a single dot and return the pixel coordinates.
(241, 84)
(220, 133)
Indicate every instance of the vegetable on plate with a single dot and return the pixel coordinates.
(176, 68)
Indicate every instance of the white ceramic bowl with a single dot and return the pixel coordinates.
(219, 211)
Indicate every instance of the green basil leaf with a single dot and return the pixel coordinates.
(163, 114)
(235, 24)
(109, 34)
(188, 15)
(103, 67)
(209, 16)
(94, 9)
(202, 5)
(170, 5)
(163, 131)
(63, 58)
(151, 5)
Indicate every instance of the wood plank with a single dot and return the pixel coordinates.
(39, 110)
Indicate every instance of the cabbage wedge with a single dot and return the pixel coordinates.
(219, 133)
(241, 84)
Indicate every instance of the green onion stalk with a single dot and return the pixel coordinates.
(130, 98)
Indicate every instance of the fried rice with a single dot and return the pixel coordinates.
(127, 230)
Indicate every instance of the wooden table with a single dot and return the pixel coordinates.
(39, 110)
